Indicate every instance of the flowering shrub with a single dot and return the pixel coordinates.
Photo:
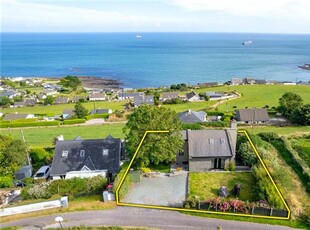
(238, 205)
(224, 206)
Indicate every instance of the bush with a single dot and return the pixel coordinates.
(6, 181)
(30, 124)
(74, 121)
(37, 191)
(194, 126)
(268, 136)
(247, 154)
(39, 155)
(125, 186)
(231, 166)
(89, 117)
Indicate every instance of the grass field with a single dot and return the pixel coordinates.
(42, 136)
(279, 130)
(196, 106)
(302, 146)
(206, 185)
(259, 95)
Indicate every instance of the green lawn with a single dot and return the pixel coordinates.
(259, 95)
(205, 185)
(302, 146)
(279, 130)
(57, 109)
(42, 136)
(196, 106)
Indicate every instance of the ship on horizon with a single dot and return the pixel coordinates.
(138, 36)
(247, 42)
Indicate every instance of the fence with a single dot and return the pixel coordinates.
(262, 211)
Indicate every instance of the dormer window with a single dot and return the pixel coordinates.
(222, 140)
(211, 141)
(82, 153)
(64, 153)
(105, 152)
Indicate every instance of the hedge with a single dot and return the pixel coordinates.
(89, 117)
(74, 121)
(29, 124)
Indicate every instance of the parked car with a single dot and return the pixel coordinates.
(43, 173)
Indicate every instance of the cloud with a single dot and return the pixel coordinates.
(298, 9)
(23, 16)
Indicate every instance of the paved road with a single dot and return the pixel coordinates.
(129, 216)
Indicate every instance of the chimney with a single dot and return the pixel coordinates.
(60, 138)
(189, 111)
(233, 124)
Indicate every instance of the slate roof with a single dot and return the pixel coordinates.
(61, 100)
(190, 95)
(190, 116)
(67, 113)
(172, 95)
(149, 100)
(77, 98)
(9, 117)
(99, 111)
(93, 157)
(252, 115)
(129, 95)
(211, 143)
(97, 95)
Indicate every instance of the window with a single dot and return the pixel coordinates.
(222, 140)
(105, 152)
(82, 153)
(64, 153)
(211, 141)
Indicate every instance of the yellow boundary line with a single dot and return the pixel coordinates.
(195, 210)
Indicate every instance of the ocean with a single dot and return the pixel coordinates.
(156, 59)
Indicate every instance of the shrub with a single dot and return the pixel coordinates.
(38, 155)
(268, 136)
(231, 166)
(125, 186)
(146, 170)
(74, 121)
(37, 191)
(6, 181)
(247, 154)
(30, 124)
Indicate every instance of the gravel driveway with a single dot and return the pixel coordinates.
(161, 190)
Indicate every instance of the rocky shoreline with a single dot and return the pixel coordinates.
(100, 83)
(305, 66)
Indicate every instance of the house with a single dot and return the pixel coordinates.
(100, 111)
(30, 102)
(48, 92)
(261, 82)
(67, 113)
(206, 150)
(190, 116)
(10, 117)
(169, 96)
(41, 96)
(61, 100)
(149, 100)
(207, 84)
(192, 96)
(77, 98)
(10, 94)
(236, 81)
(86, 158)
(97, 97)
(249, 80)
(129, 96)
(252, 115)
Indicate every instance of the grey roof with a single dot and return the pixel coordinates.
(129, 95)
(190, 116)
(28, 102)
(211, 143)
(77, 98)
(9, 117)
(93, 157)
(252, 115)
(61, 100)
(7, 93)
(190, 95)
(68, 111)
(170, 95)
(97, 95)
(99, 111)
(143, 100)
(214, 94)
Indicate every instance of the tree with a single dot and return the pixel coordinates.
(80, 110)
(157, 147)
(288, 103)
(5, 101)
(301, 116)
(49, 100)
(13, 154)
(71, 82)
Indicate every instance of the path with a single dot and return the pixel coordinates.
(129, 216)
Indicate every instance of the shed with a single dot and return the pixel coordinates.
(24, 172)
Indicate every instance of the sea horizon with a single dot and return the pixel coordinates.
(157, 58)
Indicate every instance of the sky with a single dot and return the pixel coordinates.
(249, 16)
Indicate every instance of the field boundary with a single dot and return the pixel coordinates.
(118, 202)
